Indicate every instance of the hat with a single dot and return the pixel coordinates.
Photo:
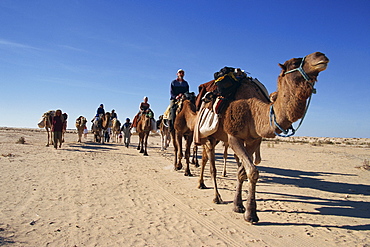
(180, 70)
(127, 119)
(101, 105)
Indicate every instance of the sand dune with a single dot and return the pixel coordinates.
(311, 192)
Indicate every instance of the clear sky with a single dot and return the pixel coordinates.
(74, 55)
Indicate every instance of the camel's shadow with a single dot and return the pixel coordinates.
(345, 207)
(92, 147)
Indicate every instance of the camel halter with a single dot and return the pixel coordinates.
(272, 112)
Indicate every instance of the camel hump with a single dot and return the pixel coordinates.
(262, 87)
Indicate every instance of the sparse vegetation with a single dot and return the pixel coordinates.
(365, 165)
(21, 140)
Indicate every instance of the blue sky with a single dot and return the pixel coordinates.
(75, 55)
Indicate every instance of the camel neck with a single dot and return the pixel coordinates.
(290, 106)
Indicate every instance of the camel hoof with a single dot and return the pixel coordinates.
(217, 200)
(141, 151)
(239, 209)
(138, 148)
(188, 174)
(145, 154)
(251, 217)
(178, 167)
(202, 186)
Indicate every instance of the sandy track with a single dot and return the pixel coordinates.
(107, 195)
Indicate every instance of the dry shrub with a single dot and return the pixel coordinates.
(21, 141)
(365, 165)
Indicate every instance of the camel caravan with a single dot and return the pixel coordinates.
(232, 109)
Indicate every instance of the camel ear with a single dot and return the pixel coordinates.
(283, 69)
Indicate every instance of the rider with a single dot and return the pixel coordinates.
(143, 107)
(178, 87)
(99, 111)
(113, 115)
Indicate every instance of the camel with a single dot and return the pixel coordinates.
(116, 129)
(99, 127)
(184, 127)
(251, 117)
(144, 126)
(80, 125)
(164, 133)
(45, 122)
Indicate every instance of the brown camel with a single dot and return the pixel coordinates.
(116, 129)
(80, 125)
(99, 127)
(184, 127)
(144, 126)
(164, 133)
(251, 116)
(45, 122)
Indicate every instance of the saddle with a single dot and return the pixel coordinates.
(215, 96)
(178, 105)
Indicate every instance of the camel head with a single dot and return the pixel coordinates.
(81, 121)
(300, 74)
(296, 83)
(307, 68)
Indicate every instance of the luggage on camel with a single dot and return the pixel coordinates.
(216, 95)
(228, 80)
(208, 122)
(175, 107)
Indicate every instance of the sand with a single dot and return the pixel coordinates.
(310, 193)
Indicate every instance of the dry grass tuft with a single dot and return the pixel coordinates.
(21, 141)
(365, 165)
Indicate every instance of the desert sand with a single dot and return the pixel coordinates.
(311, 192)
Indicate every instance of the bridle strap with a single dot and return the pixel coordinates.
(300, 69)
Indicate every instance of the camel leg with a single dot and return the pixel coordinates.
(225, 158)
(180, 154)
(138, 146)
(175, 148)
(257, 158)
(247, 170)
(194, 160)
(177, 142)
(47, 130)
(210, 149)
(141, 141)
(189, 140)
(79, 135)
(201, 184)
(167, 139)
(146, 135)
(162, 141)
